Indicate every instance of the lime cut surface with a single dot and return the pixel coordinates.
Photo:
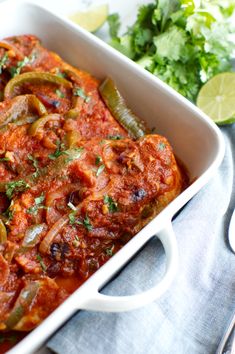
(92, 19)
(217, 98)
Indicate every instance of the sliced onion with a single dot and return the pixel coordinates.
(3, 233)
(52, 233)
(4, 273)
(59, 193)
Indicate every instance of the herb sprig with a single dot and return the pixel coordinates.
(112, 205)
(73, 219)
(35, 165)
(3, 62)
(60, 150)
(182, 42)
(42, 264)
(80, 92)
(15, 70)
(16, 187)
(38, 204)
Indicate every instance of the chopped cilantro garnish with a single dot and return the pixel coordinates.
(4, 159)
(15, 70)
(37, 205)
(60, 74)
(85, 222)
(98, 160)
(16, 187)
(8, 213)
(100, 170)
(114, 137)
(109, 251)
(72, 217)
(77, 153)
(42, 264)
(3, 61)
(59, 93)
(161, 146)
(80, 92)
(112, 205)
(35, 165)
(59, 151)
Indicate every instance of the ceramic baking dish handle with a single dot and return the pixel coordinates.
(101, 302)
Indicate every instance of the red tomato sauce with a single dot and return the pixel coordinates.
(74, 185)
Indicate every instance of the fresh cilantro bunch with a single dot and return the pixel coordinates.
(183, 42)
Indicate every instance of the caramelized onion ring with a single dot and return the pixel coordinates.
(56, 228)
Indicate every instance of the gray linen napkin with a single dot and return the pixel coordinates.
(191, 317)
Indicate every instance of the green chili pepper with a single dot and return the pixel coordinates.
(33, 77)
(73, 113)
(23, 109)
(32, 235)
(38, 126)
(116, 104)
(3, 233)
(22, 304)
(10, 46)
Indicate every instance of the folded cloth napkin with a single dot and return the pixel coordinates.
(191, 317)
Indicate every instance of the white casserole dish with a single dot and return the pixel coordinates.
(195, 139)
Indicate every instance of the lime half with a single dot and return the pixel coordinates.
(217, 98)
(91, 19)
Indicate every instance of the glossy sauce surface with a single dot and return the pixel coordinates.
(75, 187)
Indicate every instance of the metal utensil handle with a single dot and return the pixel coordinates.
(227, 344)
(100, 302)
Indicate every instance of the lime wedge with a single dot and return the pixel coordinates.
(91, 19)
(217, 98)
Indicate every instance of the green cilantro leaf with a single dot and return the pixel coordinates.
(182, 42)
(2, 159)
(59, 93)
(58, 152)
(85, 222)
(37, 205)
(98, 160)
(114, 25)
(15, 70)
(114, 137)
(42, 264)
(16, 187)
(164, 41)
(109, 251)
(161, 146)
(3, 62)
(80, 92)
(35, 165)
(112, 205)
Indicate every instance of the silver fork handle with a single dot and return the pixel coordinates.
(227, 344)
